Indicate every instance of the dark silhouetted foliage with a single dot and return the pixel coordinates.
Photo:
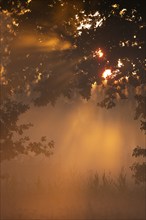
(139, 169)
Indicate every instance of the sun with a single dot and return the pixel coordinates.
(107, 73)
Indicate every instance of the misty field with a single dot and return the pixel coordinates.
(72, 196)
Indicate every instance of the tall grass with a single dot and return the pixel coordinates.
(72, 196)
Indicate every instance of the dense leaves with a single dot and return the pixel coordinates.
(139, 171)
(138, 151)
(13, 142)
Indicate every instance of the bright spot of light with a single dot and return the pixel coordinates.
(98, 53)
(94, 85)
(115, 6)
(123, 11)
(120, 64)
(107, 73)
(133, 73)
(89, 22)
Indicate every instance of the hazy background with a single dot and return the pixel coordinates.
(86, 136)
(88, 141)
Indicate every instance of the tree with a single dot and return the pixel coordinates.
(89, 42)
(11, 107)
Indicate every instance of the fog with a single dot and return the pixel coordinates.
(88, 174)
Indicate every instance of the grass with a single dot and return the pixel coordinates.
(73, 196)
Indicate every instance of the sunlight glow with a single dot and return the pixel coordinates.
(120, 64)
(94, 85)
(91, 21)
(107, 73)
(98, 53)
(115, 6)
